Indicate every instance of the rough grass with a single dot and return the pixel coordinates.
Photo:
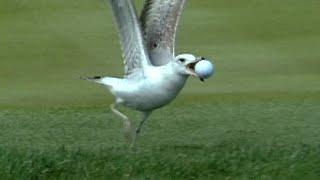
(258, 118)
(261, 139)
(222, 161)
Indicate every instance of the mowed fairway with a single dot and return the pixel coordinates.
(258, 118)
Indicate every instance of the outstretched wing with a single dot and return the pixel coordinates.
(132, 43)
(159, 20)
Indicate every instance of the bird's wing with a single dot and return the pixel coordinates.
(159, 21)
(135, 55)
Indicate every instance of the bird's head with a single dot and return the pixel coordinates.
(184, 64)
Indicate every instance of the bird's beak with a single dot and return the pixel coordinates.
(191, 70)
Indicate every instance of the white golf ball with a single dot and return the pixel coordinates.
(204, 69)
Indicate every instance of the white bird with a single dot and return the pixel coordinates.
(153, 74)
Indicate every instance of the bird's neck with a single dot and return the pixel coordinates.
(174, 79)
(168, 77)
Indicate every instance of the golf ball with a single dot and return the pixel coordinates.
(204, 69)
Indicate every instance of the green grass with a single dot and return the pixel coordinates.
(260, 139)
(258, 118)
(177, 162)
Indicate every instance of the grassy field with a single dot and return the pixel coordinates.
(258, 118)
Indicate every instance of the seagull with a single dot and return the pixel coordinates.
(153, 74)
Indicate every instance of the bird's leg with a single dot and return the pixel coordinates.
(127, 124)
(145, 117)
(146, 114)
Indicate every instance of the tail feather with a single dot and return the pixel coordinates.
(96, 79)
(107, 81)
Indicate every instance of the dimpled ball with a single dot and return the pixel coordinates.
(204, 69)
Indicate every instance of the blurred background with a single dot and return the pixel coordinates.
(257, 47)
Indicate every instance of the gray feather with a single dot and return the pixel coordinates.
(134, 52)
(159, 20)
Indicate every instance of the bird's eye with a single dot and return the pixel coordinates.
(203, 58)
(182, 60)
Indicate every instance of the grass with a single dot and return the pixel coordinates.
(178, 162)
(258, 118)
(263, 138)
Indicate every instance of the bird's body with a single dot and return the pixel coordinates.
(154, 76)
(149, 92)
